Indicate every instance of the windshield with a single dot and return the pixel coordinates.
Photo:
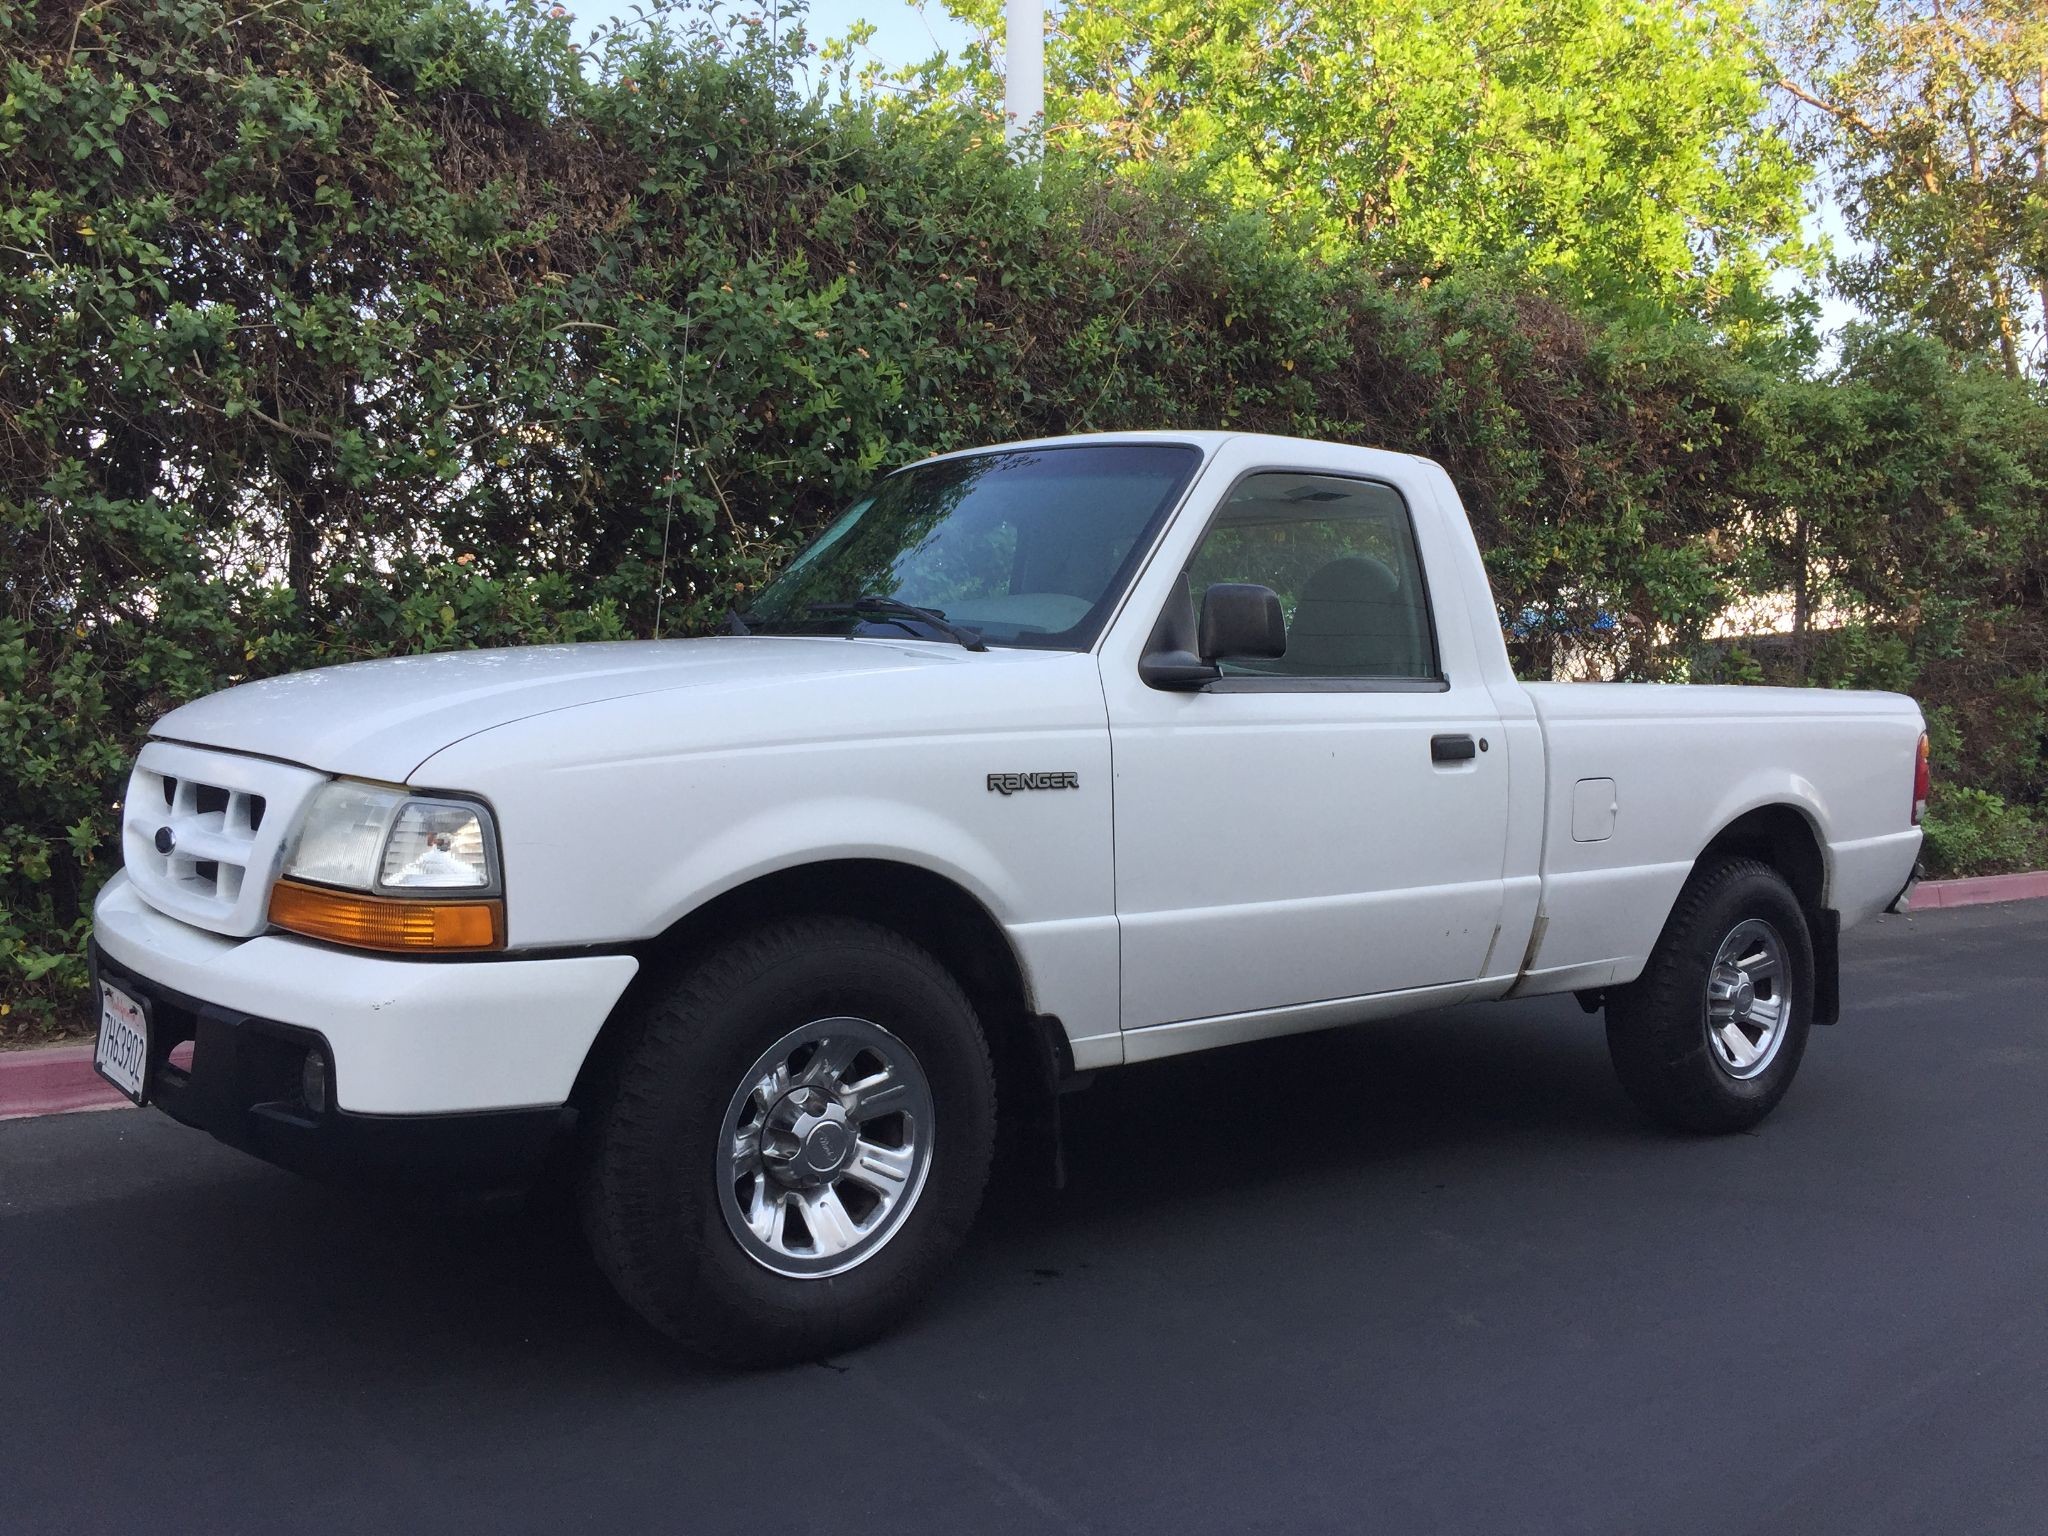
(1030, 547)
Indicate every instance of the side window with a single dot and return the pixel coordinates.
(1341, 554)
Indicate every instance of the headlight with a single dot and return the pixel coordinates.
(413, 871)
(372, 839)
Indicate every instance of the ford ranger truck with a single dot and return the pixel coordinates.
(1038, 760)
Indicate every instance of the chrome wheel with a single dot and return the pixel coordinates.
(1749, 998)
(825, 1148)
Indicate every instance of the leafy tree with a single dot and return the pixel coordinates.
(343, 328)
(1932, 117)
(1613, 150)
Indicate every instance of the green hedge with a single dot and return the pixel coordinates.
(1974, 832)
(336, 328)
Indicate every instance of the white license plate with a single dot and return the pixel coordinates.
(122, 1055)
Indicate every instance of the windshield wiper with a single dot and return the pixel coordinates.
(883, 606)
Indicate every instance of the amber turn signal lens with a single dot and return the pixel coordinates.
(380, 922)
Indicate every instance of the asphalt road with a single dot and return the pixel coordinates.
(1426, 1276)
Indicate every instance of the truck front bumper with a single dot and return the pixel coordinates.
(434, 1071)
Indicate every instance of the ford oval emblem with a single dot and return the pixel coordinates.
(166, 839)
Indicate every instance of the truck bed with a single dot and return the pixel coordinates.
(1685, 763)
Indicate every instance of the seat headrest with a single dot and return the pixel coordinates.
(1352, 579)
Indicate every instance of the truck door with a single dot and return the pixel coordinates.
(1324, 825)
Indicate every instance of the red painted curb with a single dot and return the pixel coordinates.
(53, 1080)
(59, 1080)
(1980, 890)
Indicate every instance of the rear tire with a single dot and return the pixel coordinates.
(1709, 1038)
(824, 1067)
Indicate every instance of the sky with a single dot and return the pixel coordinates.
(904, 33)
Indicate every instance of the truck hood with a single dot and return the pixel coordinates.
(383, 719)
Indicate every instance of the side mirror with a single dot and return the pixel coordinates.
(1241, 619)
(1170, 661)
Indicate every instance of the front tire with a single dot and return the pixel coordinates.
(793, 1140)
(1708, 1039)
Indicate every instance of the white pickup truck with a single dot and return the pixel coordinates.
(1039, 760)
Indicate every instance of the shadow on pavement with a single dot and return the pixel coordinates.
(255, 1272)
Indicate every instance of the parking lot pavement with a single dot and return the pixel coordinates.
(1430, 1275)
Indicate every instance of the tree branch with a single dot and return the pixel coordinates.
(1840, 114)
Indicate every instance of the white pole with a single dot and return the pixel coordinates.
(1024, 65)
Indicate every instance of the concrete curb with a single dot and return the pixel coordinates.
(59, 1079)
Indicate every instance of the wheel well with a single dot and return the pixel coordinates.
(928, 909)
(1782, 837)
(1030, 1051)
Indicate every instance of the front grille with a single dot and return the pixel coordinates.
(203, 830)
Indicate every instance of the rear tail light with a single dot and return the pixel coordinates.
(1923, 781)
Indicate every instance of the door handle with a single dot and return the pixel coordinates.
(1452, 749)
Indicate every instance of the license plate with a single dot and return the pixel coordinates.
(122, 1055)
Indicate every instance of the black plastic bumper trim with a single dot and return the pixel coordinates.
(242, 1088)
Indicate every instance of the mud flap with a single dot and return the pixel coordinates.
(1827, 968)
